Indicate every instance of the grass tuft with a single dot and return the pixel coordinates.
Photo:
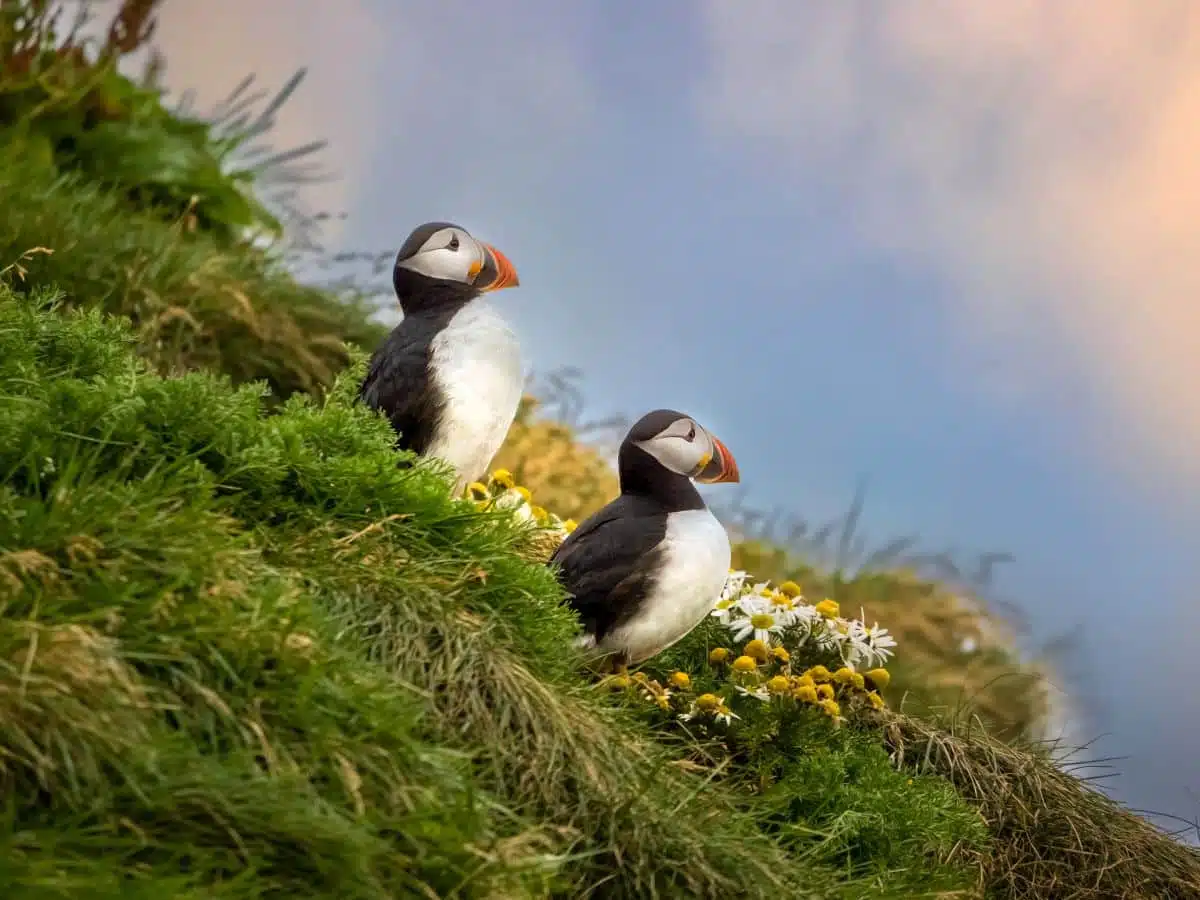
(1055, 835)
(194, 302)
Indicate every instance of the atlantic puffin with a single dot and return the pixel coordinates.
(646, 569)
(449, 376)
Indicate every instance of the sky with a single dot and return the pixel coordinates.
(949, 247)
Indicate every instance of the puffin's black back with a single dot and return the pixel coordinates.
(398, 381)
(609, 563)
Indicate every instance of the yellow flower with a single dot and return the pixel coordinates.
(818, 673)
(881, 678)
(619, 682)
(524, 492)
(806, 694)
(825, 691)
(800, 681)
(477, 491)
(875, 700)
(502, 478)
(828, 608)
(778, 685)
(708, 702)
(681, 680)
(718, 655)
(790, 589)
(781, 654)
(859, 682)
(757, 650)
(782, 600)
(663, 701)
(844, 675)
(744, 664)
(539, 514)
(830, 708)
(570, 525)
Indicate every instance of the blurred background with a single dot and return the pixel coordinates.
(929, 269)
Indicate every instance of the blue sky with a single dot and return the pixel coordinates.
(946, 248)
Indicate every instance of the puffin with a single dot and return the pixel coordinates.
(449, 377)
(647, 568)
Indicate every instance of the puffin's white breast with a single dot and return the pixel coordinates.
(693, 569)
(477, 367)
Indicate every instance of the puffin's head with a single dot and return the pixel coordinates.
(443, 261)
(683, 446)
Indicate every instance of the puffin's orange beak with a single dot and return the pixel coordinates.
(722, 468)
(506, 275)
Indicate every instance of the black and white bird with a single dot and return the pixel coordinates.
(645, 570)
(449, 376)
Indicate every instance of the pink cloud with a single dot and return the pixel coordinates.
(1042, 155)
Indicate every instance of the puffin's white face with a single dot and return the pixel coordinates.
(449, 254)
(688, 449)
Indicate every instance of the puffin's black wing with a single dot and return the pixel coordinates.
(608, 563)
(398, 383)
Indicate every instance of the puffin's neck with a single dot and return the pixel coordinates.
(644, 476)
(419, 295)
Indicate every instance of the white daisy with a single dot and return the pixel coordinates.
(805, 618)
(882, 644)
(733, 584)
(709, 705)
(760, 618)
(726, 608)
(832, 635)
(782, 602)
(725, 715)
(872, 645)
(758, 693)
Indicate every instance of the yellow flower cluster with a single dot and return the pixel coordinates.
(766, 673)
(759, 674)
(502, 492)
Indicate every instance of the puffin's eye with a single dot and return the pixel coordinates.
(453, 245)
(691, 435)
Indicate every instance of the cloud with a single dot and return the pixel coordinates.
(1042, 155)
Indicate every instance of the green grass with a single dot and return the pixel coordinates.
(193, 302)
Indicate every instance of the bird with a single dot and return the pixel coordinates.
(647, 568)
(449, 376)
